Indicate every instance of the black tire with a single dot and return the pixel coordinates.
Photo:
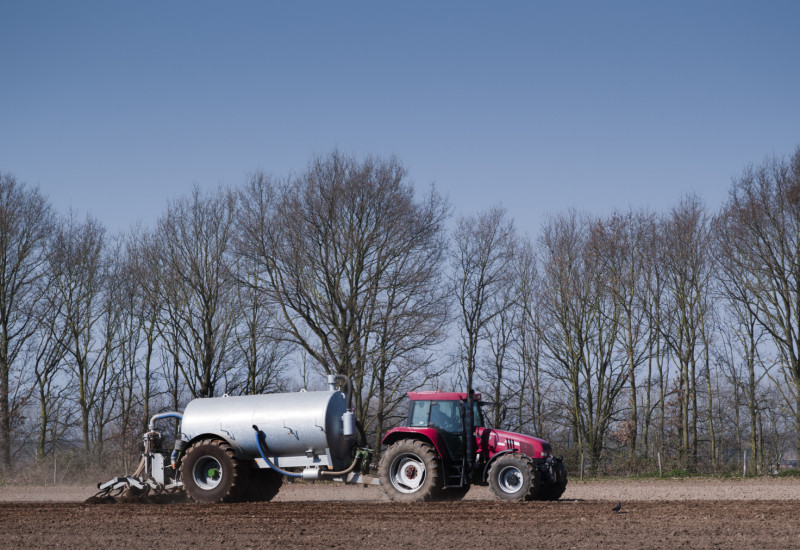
(262, 485)
(211, 472)
(514, 477)
(553, 491)
(410, 472)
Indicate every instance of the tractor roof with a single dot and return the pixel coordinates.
(440, 396)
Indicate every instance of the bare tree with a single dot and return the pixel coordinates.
(161, 329)
(688, 265)
(47, 354)
(111, 348)
(130, 335)
(528, 342)
(77, 261)
(655, 303)
(581, 329)
(412, 307)
(141, 292)
(760, 237)
(196, 287)
(259, 338)
(621, 247)
(500, 336)
(350, 257)
(482, 268)
(739, 358)
(26, 222)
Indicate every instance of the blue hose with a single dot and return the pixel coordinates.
(264, 456)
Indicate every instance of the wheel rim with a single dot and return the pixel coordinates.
(510, 479)
(207, 472)
(407, 473)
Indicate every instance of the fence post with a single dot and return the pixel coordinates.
(660, 471)
(744, 463)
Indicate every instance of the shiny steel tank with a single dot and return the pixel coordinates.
(300, 429)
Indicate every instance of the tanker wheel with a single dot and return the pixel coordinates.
(211, 472)
(514, 477)
(410, 472)
(262, 485)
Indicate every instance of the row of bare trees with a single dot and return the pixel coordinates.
(673, 334)
(622, 338)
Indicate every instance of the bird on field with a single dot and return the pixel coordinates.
(617, 507)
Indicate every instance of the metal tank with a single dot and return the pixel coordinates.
(303, 429)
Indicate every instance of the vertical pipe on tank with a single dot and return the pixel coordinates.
(333, 378)
(349, 417)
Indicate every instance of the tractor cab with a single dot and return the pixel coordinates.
(446, 414)
(444, 411)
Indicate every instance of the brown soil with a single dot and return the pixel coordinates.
(657, 514)
(568, 523)
(612, 490)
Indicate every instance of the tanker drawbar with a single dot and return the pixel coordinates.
(239, 448)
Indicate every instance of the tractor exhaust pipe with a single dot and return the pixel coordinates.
(469, 421)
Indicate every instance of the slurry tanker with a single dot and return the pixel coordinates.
(241, 448)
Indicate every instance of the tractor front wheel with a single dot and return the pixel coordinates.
(514, 477)
(410, 472)
(211, 472)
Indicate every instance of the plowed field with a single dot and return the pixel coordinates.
(363, 519)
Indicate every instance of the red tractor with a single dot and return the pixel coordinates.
(445, 447)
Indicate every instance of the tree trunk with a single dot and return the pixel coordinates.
(42, 439)
(797, 414)
(634, 419)
(647, 414)
(711, 433)
(5, 410)
(694, 414)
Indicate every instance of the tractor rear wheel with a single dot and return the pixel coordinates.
(514, 477)
(410, 472)
(211, 472)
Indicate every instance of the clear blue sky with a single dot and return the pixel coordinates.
(113, 107)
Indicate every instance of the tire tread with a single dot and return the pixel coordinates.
(427, 453)
(238, 483)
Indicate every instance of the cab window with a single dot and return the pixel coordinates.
(477, 416)
(446, 415)
(420, 410)
(443, 415)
